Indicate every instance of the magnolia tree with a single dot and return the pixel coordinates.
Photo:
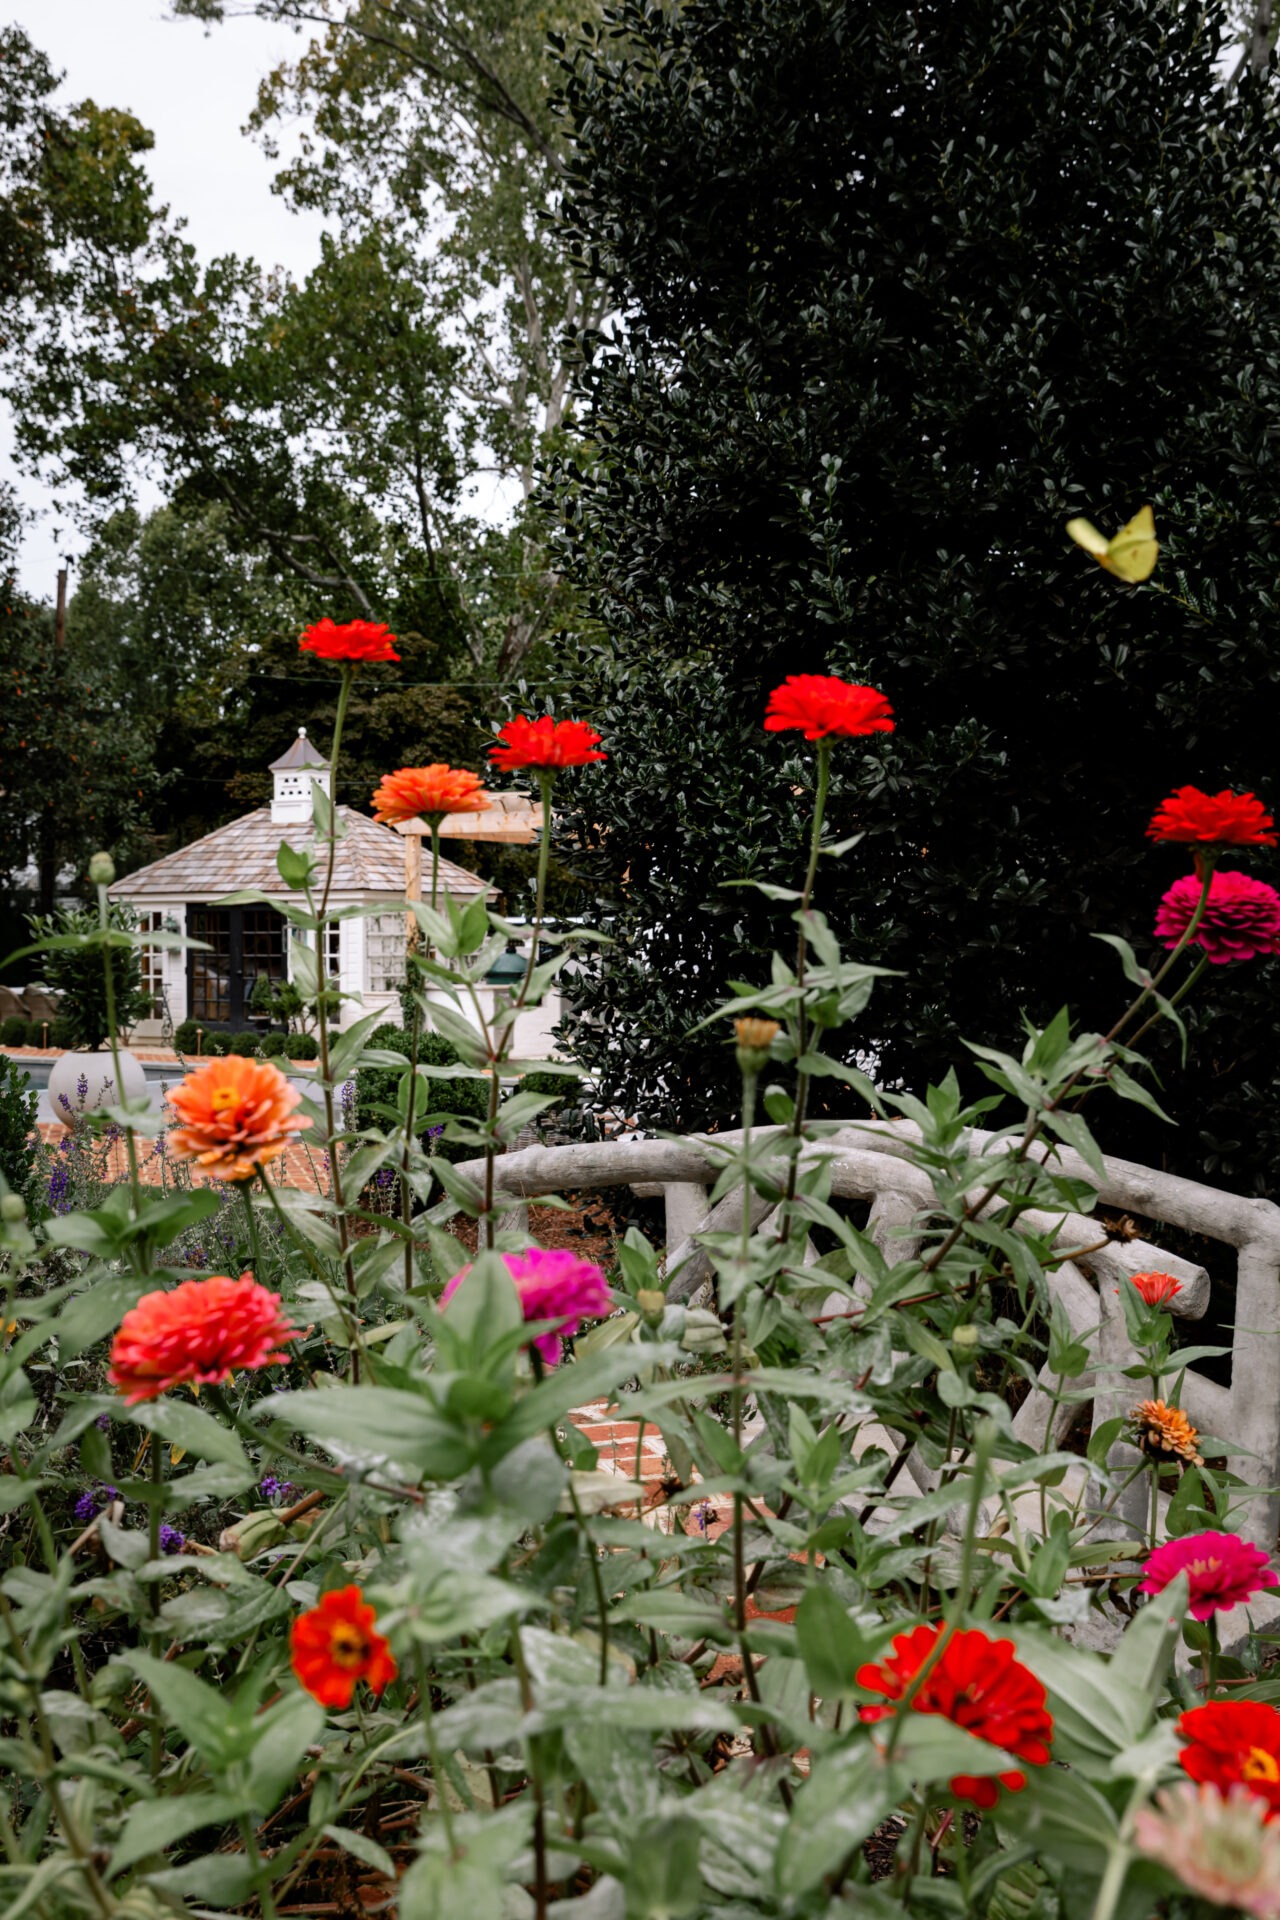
(414, 1647)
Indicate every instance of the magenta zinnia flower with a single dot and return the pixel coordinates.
(553, 1284)
(1221, 1847)
(1241, 916)
(1222, 1568)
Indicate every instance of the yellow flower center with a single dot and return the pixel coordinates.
(1260, 1765)
(348, 1646)
(1204, 1568)
(224, 1097)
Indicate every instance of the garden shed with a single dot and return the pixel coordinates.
(181, 893)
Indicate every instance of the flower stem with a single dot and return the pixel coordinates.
(255, 1252)
(109, 990)
(322, 1022)
(261, 1873)
(153, 1591)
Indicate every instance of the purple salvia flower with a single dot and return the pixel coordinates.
(171, 1541)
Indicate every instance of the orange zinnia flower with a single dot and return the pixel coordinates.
(196, 1336)
(356, 641)
(1223, 819)
(336, 1645)
(977, 1684)
(430, 791)
(819, 704)
(1165, 1434)
(236, 1115)
(545, 744)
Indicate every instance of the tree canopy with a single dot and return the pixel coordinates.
(897, 294)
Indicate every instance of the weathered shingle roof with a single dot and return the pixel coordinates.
(243, 854)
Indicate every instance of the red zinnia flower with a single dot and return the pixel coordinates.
(355, 640)
(198, 1335)
(1234, 1743)
(977, 1684)
(427, 791)
(1222, 1570)
(1241, 917)
(1213, 819)
(1155, 1288)
(336, 1645)
(545, 743)
(818, 705)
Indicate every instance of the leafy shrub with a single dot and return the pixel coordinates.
(13, 1030)
(37, 1030)
(273, 1045)
(18, 1138)
(377, 1086)
(62, 1033)
(77, 972)
(184, 1036)
(245, 1043)
(302, 1046)
(215, 1045)
(766, 449)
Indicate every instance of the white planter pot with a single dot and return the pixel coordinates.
(79, 1082)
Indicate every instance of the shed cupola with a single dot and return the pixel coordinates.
(294, 774)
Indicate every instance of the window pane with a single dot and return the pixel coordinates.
(211, 972)
(385, 938)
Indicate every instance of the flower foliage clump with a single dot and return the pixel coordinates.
(627, 1579)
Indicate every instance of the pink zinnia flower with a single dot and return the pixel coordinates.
(1241, 916)
(1220, 1846)
(1222, 1568)
(1155, 1288)
(553, 1284)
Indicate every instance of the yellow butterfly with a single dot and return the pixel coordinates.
(1131, 555)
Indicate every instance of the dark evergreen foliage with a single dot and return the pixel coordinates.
(900, 290)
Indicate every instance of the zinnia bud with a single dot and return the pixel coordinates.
(102, 869)
(755, 1037)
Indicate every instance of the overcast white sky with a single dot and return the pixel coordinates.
(194, 90)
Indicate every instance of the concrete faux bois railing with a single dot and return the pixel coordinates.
(873, 1161)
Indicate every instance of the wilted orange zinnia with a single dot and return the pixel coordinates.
(335, 1645)
(1165, 1434)
(236, 1115)
(430, 792)
(198, 1335)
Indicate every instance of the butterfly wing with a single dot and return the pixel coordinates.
(1086, 535)
(1132, 555)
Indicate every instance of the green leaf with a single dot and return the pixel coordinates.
(153, 1825)
(279, 1738)
(204, 1714)
(188, 1427)
(831, 1645)
(295, 867)
(1129, 1089)
(845, 1798)
(384, 1422)
(362, 1848)
(215, 1880)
